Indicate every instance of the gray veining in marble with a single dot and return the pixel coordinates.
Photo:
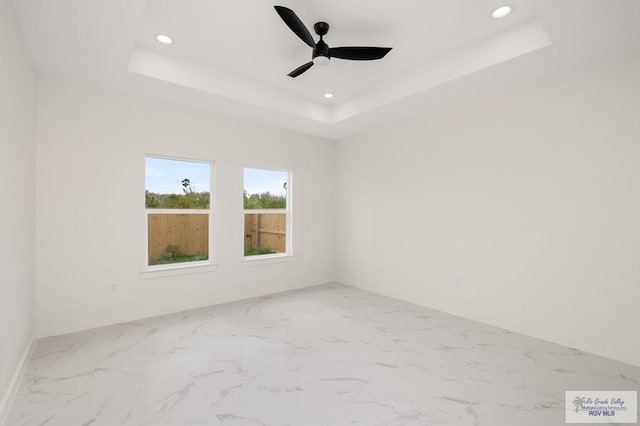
(326, 355)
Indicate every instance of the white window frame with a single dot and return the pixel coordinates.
(181, 268)
(288, 212)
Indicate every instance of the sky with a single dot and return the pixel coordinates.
(258, 181)
(165, 176)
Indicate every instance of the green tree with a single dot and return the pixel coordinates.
(151, 200)
(264, 201)
(190, 199)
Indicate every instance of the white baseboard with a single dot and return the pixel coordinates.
(12, 390)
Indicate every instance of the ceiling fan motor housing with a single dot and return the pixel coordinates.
(320, 53)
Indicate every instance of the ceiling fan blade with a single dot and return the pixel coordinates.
(300, 70)
(359, 53)
(291, 19)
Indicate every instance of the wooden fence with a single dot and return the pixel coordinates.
(265, 231)
(190, 232)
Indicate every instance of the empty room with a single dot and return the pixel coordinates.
(319, 213)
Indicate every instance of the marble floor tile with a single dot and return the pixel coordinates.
(329, 355)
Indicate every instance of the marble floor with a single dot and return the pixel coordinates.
(326, 355)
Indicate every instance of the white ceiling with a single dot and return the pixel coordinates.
(232, 56)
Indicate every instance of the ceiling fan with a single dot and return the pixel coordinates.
(322, 53)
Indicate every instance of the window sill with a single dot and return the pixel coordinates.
(267, 259)
(177, 270)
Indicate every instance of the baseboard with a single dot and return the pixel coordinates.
(14, 385)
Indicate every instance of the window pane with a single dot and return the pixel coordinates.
(265, 189)
(177, 238)
(175, 184)
(264, 234)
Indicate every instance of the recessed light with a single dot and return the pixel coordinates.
(501, 12)
(328, 95)
(164, 39)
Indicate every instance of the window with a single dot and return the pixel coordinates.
(178, 211)
(267, 212)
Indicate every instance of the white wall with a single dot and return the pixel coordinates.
(17, 211)
(521, 209)
(90, 191)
